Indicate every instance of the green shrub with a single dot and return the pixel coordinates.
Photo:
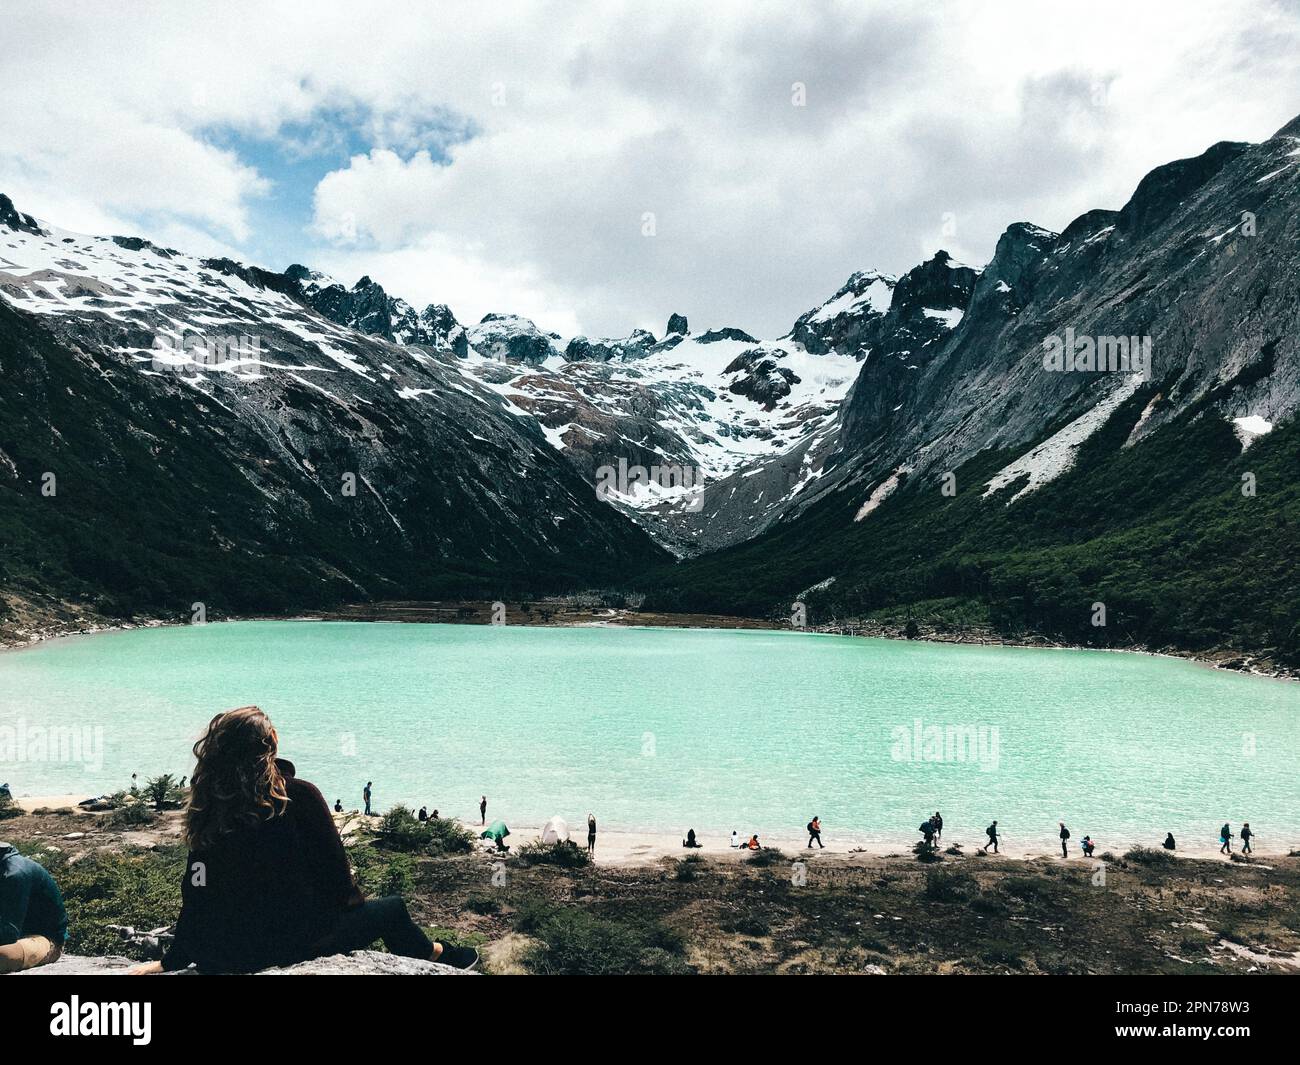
(566, 854)
(141, 888)
(9, 808)
(130, 815)
(164, 792)
(381, 874)
(574, 942)
(767, 856)
(1149, 856)
(1030, 889)
(944, 886)
(988, 906)
(482, 904)
(686, 871)
(401, 830)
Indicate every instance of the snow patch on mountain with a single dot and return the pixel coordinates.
(1056, 454)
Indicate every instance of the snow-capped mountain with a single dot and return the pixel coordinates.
(202, 431)
(1104, 415)
(478, 452)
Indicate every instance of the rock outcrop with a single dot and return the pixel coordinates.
(358, 963)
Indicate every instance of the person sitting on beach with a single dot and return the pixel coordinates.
(423, 815)
(267, 880)
(433, 816)
(33, 922)
(735, 838)
(815, 832)
(753, 844)
(1169, 843)
(1088, 846)
(1225, 839)
(338, 806)
(992, 831)
(689, 841)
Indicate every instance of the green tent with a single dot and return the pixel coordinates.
(496, 831)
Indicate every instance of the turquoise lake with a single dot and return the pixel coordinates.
(658, 729)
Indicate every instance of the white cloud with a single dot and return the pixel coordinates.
(588, 116)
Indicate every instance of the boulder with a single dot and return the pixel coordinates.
(358, 963)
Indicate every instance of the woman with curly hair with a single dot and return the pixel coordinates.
(267, 881)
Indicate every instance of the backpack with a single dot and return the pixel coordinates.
(927, 829)
(811, 830)
(1065, 833)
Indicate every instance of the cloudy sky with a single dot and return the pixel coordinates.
(518, 157)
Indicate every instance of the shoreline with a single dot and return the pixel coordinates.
(564, 613)
(624, 847)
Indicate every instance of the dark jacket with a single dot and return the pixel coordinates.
(271, 891)
(30, 901)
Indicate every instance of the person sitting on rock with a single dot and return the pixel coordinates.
(33, 922)
(267, 881)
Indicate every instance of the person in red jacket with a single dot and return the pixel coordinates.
(267, 880)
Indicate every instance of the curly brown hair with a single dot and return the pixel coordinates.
(236, 782)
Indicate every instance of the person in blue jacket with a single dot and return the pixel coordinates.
(33, 922)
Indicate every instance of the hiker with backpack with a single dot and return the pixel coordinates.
(815, 832)
(1246, 836)
(1088, 846)
(1225, 839)
(1065, 834)
(927, 830)
(992, 831)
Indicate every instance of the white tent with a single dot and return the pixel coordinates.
(555, 830)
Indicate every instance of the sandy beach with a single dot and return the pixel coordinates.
(624, 847)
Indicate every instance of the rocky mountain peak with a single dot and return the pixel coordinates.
(677, 324)
(1291, 129)
(936, 284)
(1159, 194)
(10, 216)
